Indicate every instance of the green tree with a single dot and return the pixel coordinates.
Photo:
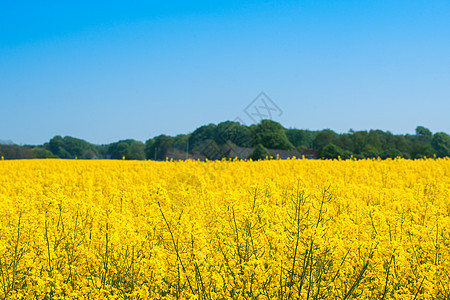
(424, 133)
(120, 150)
(158, 146)
(63, 153)
(149, 149)
(301, 137)
(181, 142)
(400, 143)
(70, 147)
(234, 132)
(76, 147)
(89, 154)
(331, 151)
(260, 152)
(324, 138)
(391, 153)
(441, 143)
(201, 134)
(419, 149)
(374, 139)
(270, 134)
(360, 140)
(136, 151)
(210, 150)
(345, 141)
(40, 152)
(56, 144)
(369, 151)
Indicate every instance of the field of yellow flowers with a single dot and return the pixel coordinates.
(293, 229)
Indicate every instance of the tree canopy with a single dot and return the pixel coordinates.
(215, 141)
(270, 134)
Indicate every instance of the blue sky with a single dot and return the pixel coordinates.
(114, 70)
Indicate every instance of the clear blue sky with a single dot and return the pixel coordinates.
(115, 70)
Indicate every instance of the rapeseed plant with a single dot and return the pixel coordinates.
(292, 229)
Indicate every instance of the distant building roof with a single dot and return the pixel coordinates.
(241, 152)
(309, 153)
(177, 154)
(285, 154)
(244, 152)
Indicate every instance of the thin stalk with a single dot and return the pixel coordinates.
(132, 268)
(387, 278)
(48, 251)
(71, 257)
(13, 285)
(237, 238)
(176, 249)
(358, 280)
(106, 255)
(418, 290)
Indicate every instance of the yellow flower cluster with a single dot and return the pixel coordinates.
(293, 229)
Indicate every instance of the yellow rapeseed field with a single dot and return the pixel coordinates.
(308, 229)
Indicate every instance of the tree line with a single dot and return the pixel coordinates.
(267, 134)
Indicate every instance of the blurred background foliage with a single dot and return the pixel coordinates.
(267, 134)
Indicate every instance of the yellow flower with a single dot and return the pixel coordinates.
(225, 229)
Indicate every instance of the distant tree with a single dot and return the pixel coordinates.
(161, 144)
(424, 132)
(360, 140)
(369, 151)
(102, 151)
(120, 150)
(149, 149)
(63, 153)
(370, 154)
(374, 139)
(345, 141)
(56, 144)
(301, 148)
(391, 153)
(210, 150)
(75, 146)
(181, 142)
(270, 134)
(347, 155)
(400, 143)
(260, 152)
(136, 151)
(234, 132)
(12, 151)
(201, 134)
(331, 151)
(420, 149)
(324, 138)
(217, 140)
(88, 154)
(40, 152)
(300, 137)
(70, 147)
(370, 148)
(441, 143)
